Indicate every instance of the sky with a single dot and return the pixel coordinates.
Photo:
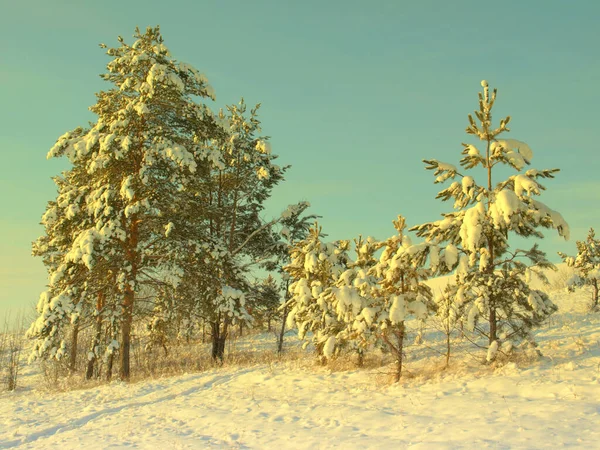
(354, 95)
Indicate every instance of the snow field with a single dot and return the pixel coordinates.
(552, 402)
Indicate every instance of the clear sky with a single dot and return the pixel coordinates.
(355, 94)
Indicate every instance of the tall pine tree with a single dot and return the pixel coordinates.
(145, 149)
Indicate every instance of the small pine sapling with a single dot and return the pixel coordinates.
(587, 265)
(401, 291)
(314, 269)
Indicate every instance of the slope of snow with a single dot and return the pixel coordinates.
(549, 403)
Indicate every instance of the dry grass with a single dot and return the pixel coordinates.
(12, 341)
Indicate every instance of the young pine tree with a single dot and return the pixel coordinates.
(294, 227)
(401, 290)
(586, 264)
(492, 278)
(314, 269)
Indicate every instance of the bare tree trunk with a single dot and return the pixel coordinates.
(73, 356)
(219, 339)
(360, 360)
(448, 330)
(284, 319)
(595, 294)
(493, 325)
(125, 347)
(490, 268)
(89, 373)
(447, 349)
(98, 335)
(132, 258)
(282, 331)
(399, 349)
(215, 339)
(109, 366)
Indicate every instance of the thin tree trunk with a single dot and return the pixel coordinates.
(595, 294)
(109, 366)
(125, 346)
(98, 335)
(132, 257)
(399, 349)
(219, 339)
(448, 330)
(493, 325)
(490, 268)
(360, 357)
(73, 356)
(282, 331)
(89, 373)
(447, 349)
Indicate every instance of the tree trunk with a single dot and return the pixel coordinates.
(285, 314)
(125, 346)
(360, 357)
(219, 339)
(98, 335)
(448, 331)
(282, 332)
(399, 349)
(129, 296)
(447, 349)
(595, 294)
(73, 356)
(241, 328)
(490, 268)
(493, 325)
(89, 373)
(109, 366)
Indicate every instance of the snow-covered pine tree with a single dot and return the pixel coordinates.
(586, 264)
(238, 181)
(399, 293)
(266, 301)
(75, 286)
(294, 227)
(61, 304)
(352, 299)
(314, 269)
(492, 278)
(446, 315)
(144, 150)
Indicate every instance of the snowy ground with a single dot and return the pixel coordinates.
(550, 403)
